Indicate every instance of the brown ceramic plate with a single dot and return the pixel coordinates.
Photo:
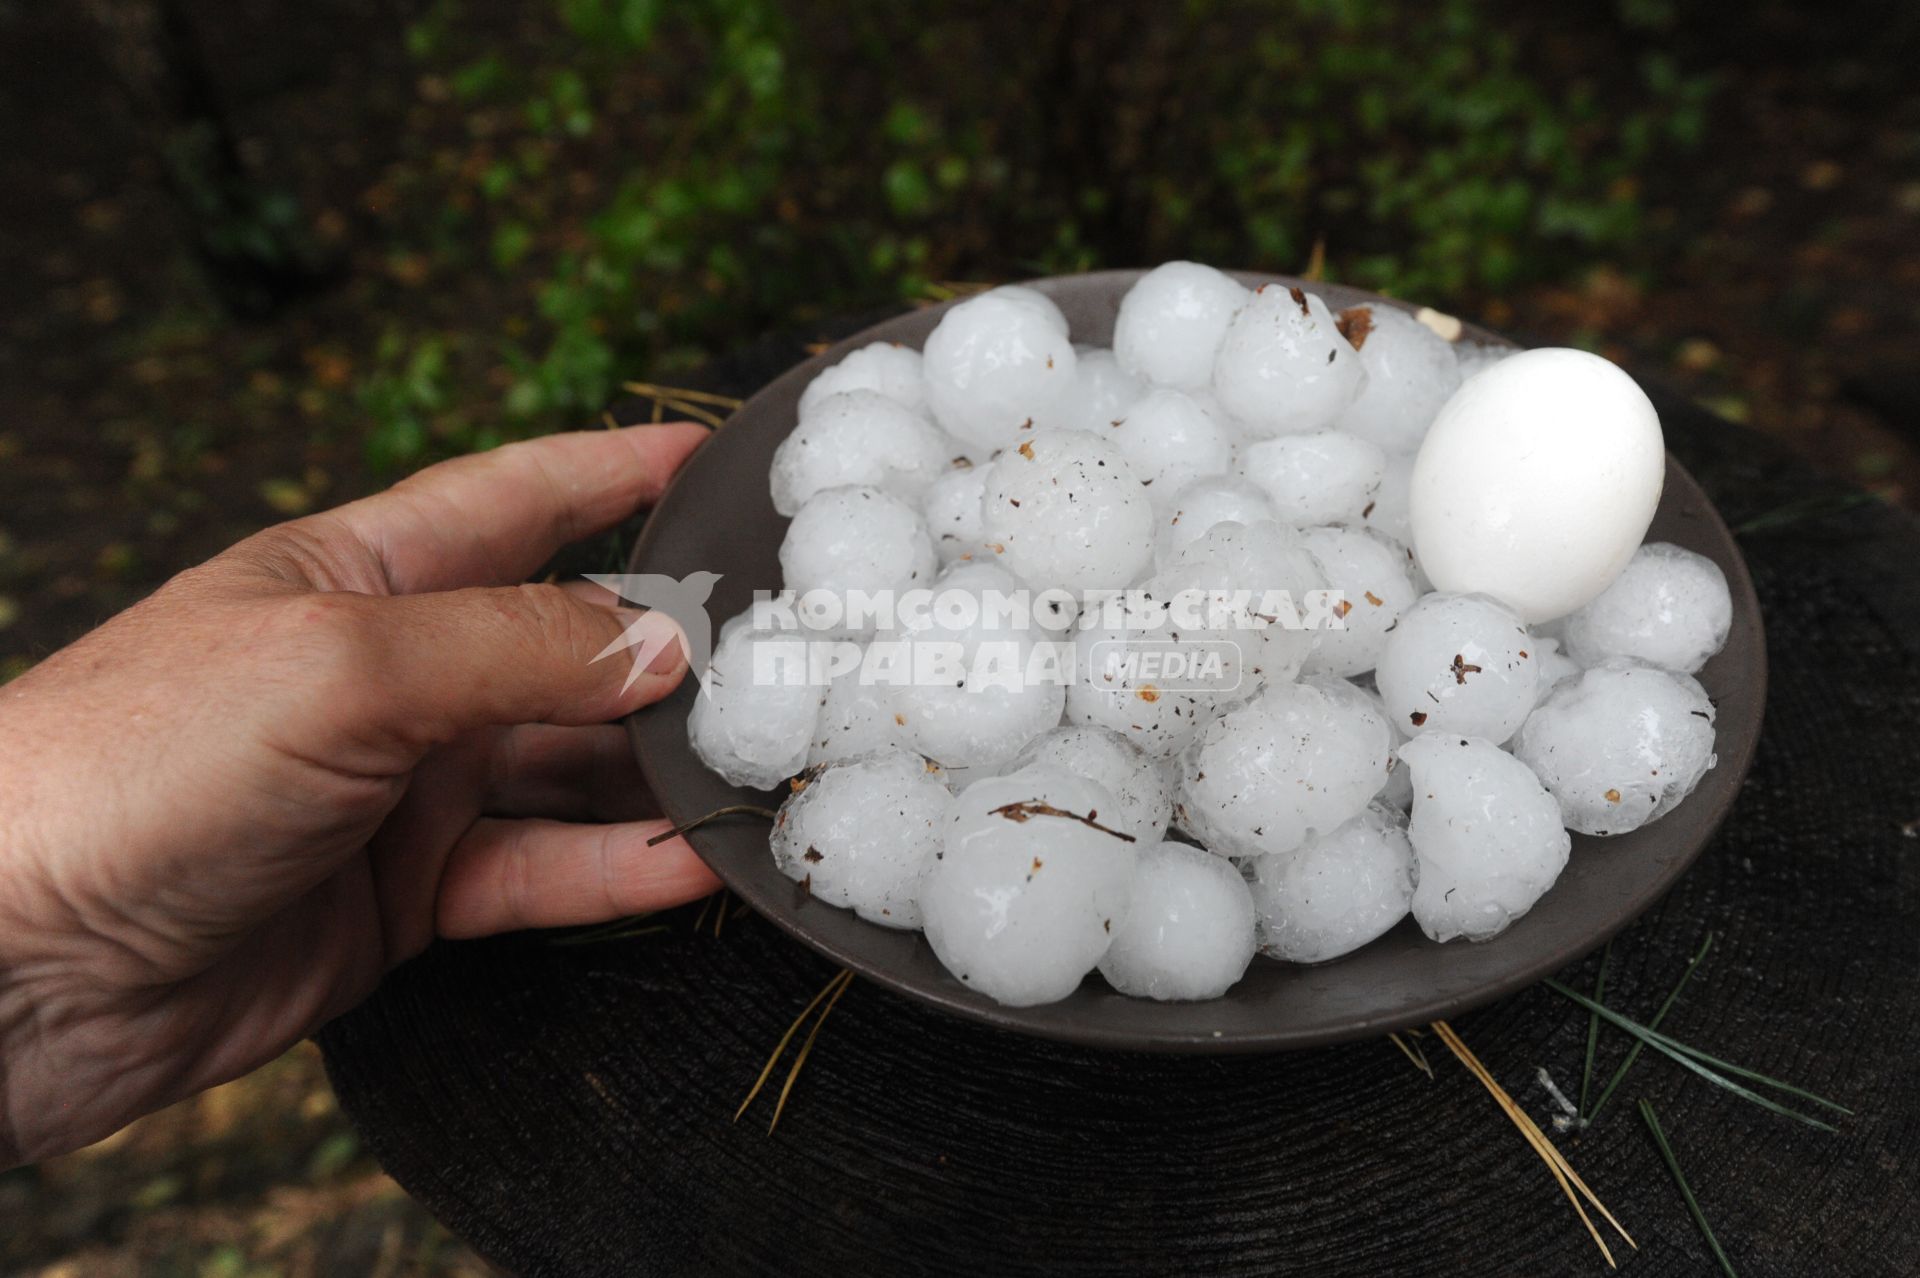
(718, 516)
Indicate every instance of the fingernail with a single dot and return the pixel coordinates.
(654, 639)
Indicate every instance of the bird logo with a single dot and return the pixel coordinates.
(682, 600)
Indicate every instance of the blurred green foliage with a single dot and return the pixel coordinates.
(757, 163)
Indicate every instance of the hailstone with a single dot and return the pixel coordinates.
(1031, 883)
(1113, 688)
(1172, 321)
(1555, 665)
(1251, 584)
(996, 690)
(856, 718)
(1411, 372)
(1669, 607)
(1619, 745)
(1036, 301)
(952, 511)
(1298, 759)
(1283, 367)
(1320, 477)
(1102, 391)
(1207, 501)
(1189, 930)
(1140, 785)
(847, 539)
(864, 833)
(1066, 510)
(996, 364)
(1337, 891)
(754, 718)
(1487, 835)
(1370, 572)
(1387, 511)
(889, 368)
(1168, 441)
(858, 437)
(1459, 664)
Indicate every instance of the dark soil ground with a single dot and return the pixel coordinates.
(142, 428)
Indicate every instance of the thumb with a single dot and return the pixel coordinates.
(466, 659)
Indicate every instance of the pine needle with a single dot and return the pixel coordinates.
(618, 930)
(1563, 1173)
(720, 915)
(1711, 1068)
(800, 1058)
(1593, 1034)
(732, 809)
(652, 391)
(1686, 1190)
(1413, 1053)
(839, 981)
(1658, 1016)
(1317, 263)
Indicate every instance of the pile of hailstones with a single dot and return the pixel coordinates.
(1026, 832)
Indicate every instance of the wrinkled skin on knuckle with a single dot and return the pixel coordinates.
(556, 621)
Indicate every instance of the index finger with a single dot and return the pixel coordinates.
(493, 518)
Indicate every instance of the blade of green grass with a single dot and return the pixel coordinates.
(1686, 1190)
(1593, 1031)
(1706, 1066)
(1654, 1024)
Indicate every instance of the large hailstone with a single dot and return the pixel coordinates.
(1620, 745)
(1115, 687)
(1461, 665)
(847, 539)
(754, 718)
(1487, 835)
(887, 368)
(1102, 391)
(1142, 788)
(1030, 886)
(1066, 510)
(1227, 581)
(1337, 891)
(864, 833)
(1320, 477)
(1168, 441)
(856, 718)
(1669, 608)
(1283, 367)
(952, 511)
(998, 363)
(1203, 504)
(1299, 759)
(1371, 574)
(994, 689)
(1411, 372)
(1172, 322)
(1189, 930)
(859, 437)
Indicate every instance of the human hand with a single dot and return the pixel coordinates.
(228, 811)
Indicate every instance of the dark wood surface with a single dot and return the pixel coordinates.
(568, 1109)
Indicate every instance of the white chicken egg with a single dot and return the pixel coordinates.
(1537, 482)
